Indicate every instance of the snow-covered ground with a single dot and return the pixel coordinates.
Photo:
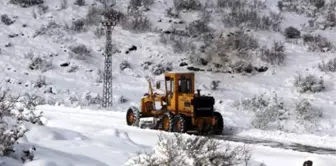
(83, 137)
(90, 137)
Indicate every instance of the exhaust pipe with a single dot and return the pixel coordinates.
(198, 92)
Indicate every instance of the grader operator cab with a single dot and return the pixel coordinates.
(181, 109)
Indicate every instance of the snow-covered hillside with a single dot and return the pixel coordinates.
(42, 53)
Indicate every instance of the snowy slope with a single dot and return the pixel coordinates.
(106, 132)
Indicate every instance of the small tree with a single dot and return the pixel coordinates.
(193, 150)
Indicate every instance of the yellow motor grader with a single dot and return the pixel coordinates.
(180, 108)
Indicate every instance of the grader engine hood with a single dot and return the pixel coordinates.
(203, 105)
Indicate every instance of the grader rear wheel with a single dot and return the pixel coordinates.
(180, 124)
(218, 128)
(133, 116)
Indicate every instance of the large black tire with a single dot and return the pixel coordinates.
(180, 124)
(219, 126)
(167, 122)
(133, 116)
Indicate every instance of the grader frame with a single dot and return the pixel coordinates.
(181, 109)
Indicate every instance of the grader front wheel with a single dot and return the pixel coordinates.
(167, 122)
(133, 116)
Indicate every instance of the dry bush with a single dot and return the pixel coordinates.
(187, 5)
(180, 44)
(242, 13)
(317, 43)
(329, 66)
(10, 127)
(93, 15)
(46, 29)
(136, 22)
(309, 83)
(38, 62)
(6, 20)
(80, 2)
(198, 28)
(171, 12)
(192, 150)
(40, 82)
(275, 55)
(26, 3)
(99, 31)
(135, 4)
(306, 112)
(80, 52)
(292, 33)
(230, 50)
(124, 64)
(64, 4)
(160, 68)
(77, 25)
(268, 110)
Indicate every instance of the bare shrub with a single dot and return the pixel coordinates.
(64, 4)
(192, 150)
(122, 99)
(93, 15)
(317, 43)
(171, 12)
(73, 68)
(242, 13)
(161, 68)
(317, 3)
(40, 82)
(10, 126)
(251, 18)
(306, 112)
(80, 2)
(42, 9)
(187, 5)
(291, 32)
(38, 62)
(137, 23)
(124, 64)
(99, 76)
(275, 55)
(91, 99)
(269, 111)
(135, 3)
(46, 29)
(227, 50)
(330, 66)
(147, 3)
(231, 4)
(198, 27)
(30, 101)
(331, 19)
(214, 84)
(80, 52)
(6, 20)
(309, 83)
(77, 25)
(26, 3)
(99, 32)
(180, 44)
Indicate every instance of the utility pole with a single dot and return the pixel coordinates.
(110, 18)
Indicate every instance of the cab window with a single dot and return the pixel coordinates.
(185, 85)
